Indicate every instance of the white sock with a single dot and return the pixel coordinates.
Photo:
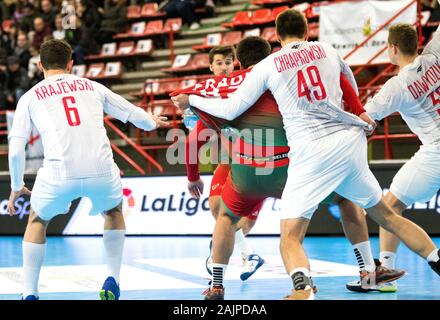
(242, 244)
(114, 245)
(365, 260)
(33, 257)
(433, 256)
(388, 259)
(218, 273)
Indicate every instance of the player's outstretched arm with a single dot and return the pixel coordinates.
(250, 90)
(123, 110)
(17, 159)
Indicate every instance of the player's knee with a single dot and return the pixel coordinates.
(114, 211)
(35, 219)
(226, 216)
(395, 204)
(383, 214)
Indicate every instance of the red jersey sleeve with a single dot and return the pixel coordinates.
(192, 160)
(350, 96)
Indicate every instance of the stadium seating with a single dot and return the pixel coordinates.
(150, 10)
(125, 49)
(109, 70)
(79, 70)
(145, 29)
(187, 63)
(241, 18)
(133, 12)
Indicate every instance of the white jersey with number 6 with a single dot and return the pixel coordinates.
(68, 112)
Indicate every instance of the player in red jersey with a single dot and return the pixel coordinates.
(221, 62)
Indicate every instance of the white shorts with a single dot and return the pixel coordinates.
(53, 197)
(419, 178)
(335, 163)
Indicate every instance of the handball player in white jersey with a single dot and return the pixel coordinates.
(415, 93)
(68, 113)
(328, 145)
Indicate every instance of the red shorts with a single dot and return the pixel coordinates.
(240, 204)
(219, 179)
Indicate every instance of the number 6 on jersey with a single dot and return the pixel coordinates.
(72, 114)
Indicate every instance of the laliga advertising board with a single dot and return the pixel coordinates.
(163, 205)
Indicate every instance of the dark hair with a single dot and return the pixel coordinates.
(291, 23)
(55, 54)
(252, 50)
(223, 50)
(403, 36)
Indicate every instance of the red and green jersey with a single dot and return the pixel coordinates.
(258, 138)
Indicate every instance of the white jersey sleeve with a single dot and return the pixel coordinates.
(17, 160)
(433, 47)
(386, 101)
(345, 68)
(21, 125)
(124, 110)
(253, 86)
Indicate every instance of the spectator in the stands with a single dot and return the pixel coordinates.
(114, 20)
(183, 9)
(4, 11)
(22, 50)
(90, 20)
(5, 41)
(13, 33)
(34, 73)
(48, 12)
(59, 32)
(3, 104)
(30, 14)
(17, 82)
(19, 10)
(41, 31)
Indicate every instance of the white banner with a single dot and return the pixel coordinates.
(162, 205)
(346, 24)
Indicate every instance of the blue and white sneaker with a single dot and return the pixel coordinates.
(250, 265)
(110, 290)
(208, 263)
(31, 297)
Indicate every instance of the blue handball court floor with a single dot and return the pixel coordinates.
(173, 268)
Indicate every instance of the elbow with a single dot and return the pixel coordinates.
(13, 157)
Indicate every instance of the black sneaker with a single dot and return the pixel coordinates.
(380, 280)
(215, 293)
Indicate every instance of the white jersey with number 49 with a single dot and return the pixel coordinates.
(415, 94)
(304, 78)
(68, 113)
